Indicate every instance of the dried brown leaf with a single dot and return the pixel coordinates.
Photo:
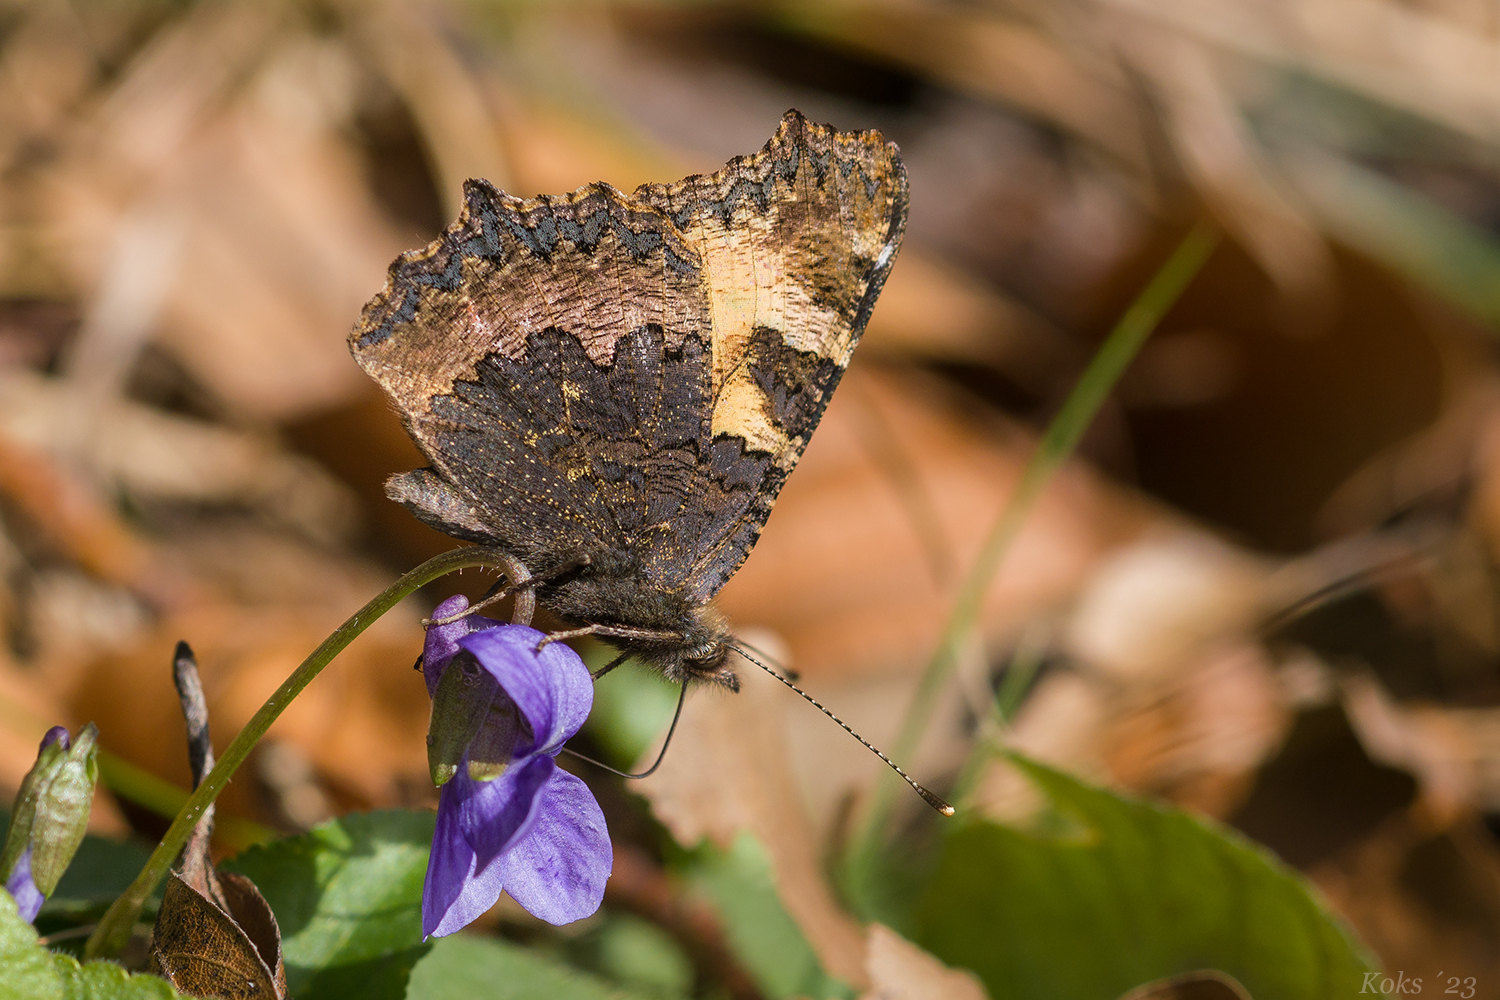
(215, 935)
(1208, 984)
(899, 970)
(204, 951)
(728, 772)
(843, 571)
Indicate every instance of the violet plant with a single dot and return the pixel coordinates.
(508, 818)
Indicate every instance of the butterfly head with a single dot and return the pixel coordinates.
(701, 653)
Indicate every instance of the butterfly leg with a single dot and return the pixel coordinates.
(521, 583)
(524, 584)
(610, 631)
(610, 666)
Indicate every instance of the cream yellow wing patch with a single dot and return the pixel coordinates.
(795, 240)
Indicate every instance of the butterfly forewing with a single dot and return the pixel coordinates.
(636, 374)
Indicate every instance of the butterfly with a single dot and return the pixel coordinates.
(614, 387)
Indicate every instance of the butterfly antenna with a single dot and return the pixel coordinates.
(927, 796)
(682, 697)
(790, 675)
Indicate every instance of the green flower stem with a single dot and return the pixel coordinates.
(114, 929)
(1059, 442)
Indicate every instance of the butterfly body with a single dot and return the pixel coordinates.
(613, 388)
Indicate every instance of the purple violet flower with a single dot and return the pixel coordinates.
(508, 817)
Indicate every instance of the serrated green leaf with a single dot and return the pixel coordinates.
(26, 970)
(1126, 893)
(107, 981)
(348, 898)
(465, 966)
(30, 972)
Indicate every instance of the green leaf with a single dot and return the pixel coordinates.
(465, 966)
(30, 972)
(1123, 892)
(107, 981)
(764, 937)
(348, 898)
(25, 967)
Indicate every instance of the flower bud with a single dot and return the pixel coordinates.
(50, 815)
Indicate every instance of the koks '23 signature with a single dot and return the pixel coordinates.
(1374, 982)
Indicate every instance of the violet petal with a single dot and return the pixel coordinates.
(57, 734)
(454, 894)
(552, 688)
(493, 815)
(558, 869)
(442, 640)
(19, 884)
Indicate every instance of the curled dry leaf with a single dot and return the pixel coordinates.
(899, 970)
(1208, 984)
(215, 935)
(209, 948)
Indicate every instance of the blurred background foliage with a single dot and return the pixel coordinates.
(1265, 593)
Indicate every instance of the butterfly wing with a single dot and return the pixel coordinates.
(608, 373)
(795, 242)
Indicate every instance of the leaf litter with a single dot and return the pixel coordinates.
(227, 480)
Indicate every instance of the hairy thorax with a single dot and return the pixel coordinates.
(690, 641)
